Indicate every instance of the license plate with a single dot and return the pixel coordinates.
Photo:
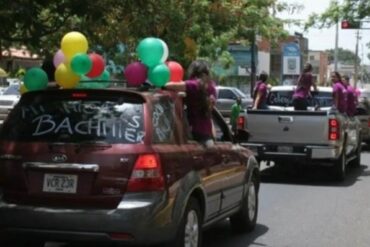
(285, 149)
(60, 183)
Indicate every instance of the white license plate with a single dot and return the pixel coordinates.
(60, 183)
(285, 149)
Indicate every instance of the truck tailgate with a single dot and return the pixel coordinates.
(298, 127)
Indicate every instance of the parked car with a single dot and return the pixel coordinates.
(118, 165)
(320, 135)
(226, 97)
(9, 97)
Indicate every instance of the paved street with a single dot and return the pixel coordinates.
(301, 208)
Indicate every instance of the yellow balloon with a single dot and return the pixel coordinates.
(73, 43)
(65, 77)
(22, 89)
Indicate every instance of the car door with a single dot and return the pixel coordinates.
(232, 170)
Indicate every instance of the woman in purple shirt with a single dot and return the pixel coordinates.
(302, 92)
(339, 92)
(200, 99)
(351, 97)
(260, 92)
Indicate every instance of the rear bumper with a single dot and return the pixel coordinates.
(296, 152)
(133, 222)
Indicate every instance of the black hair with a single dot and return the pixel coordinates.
(199, 69)
(48, 67)
(307, 68)
(263, 76)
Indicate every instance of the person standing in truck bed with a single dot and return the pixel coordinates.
(302, 92)
(351, 97)
(260, 92)
(339, 92)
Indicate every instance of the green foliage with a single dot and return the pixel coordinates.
(344, 56)
(191, 28)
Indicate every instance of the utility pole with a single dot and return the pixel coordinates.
(336, 47)
(355, 76)
(253, 62)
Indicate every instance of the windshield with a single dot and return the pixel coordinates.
(284, 98)
(75, 120)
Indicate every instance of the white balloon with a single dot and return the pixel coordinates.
(165, 51)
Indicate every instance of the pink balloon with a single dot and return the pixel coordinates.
(136, 73)
(58, 58)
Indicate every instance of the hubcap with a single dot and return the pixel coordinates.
(192, 230)
(251, 201)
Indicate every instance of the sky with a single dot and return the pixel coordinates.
(325, 38)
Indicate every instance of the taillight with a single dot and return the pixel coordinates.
(334, 130)
(147, 175)
(241, 122)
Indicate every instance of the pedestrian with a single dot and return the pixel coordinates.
(339, 93)
(302, 92)
(260, 92)
(352, 100)
(200, 98)
(235, 111)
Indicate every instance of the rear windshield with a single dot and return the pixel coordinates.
(111, 120)
(284, 98)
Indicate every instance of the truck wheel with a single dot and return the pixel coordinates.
(189, 233)
(339, 168)
(245, 220)
(356, 162)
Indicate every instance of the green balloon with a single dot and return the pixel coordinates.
(95, 83)
(150, 51)
(35, 79)
(159, 75)
(105, 77)
(81, 64)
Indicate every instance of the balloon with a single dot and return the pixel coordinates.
(165, 51)
(22, 88)
(81, 64)
(159, 75)
(176, 71)
(136, 73)
(35, 79)
(58, 58)
(65, 77)
(74, 42)
(150, 51)
(98, 65)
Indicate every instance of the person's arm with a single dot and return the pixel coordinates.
(257, 101)
(175, 86)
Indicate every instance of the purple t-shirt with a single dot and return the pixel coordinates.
(351, 100)
(262, 89)
(341, 93)
(199, 123)
(304, 85)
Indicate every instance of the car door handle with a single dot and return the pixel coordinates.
(283, 119)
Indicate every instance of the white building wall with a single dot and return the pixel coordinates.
(263, 62)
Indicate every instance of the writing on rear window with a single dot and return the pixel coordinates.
(79, 120)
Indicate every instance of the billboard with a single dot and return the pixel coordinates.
(291, 59)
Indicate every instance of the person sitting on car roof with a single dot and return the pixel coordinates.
(200, 98)
(302, 92)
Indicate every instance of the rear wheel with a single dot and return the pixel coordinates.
(245, 220)
(339, 168)
(356, 162)
(189, 233)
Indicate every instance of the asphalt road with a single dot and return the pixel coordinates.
(302, 207)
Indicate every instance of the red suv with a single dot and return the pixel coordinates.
(118, 165)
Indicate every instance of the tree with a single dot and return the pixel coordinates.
(344, 56)
(191, 28)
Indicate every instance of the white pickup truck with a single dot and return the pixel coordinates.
(319, 135)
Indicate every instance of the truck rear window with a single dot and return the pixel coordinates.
(284, 98)
(111, 120)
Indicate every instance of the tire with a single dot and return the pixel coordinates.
(356, 162)
(189, 233)
(339, 168)
(245, 220)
